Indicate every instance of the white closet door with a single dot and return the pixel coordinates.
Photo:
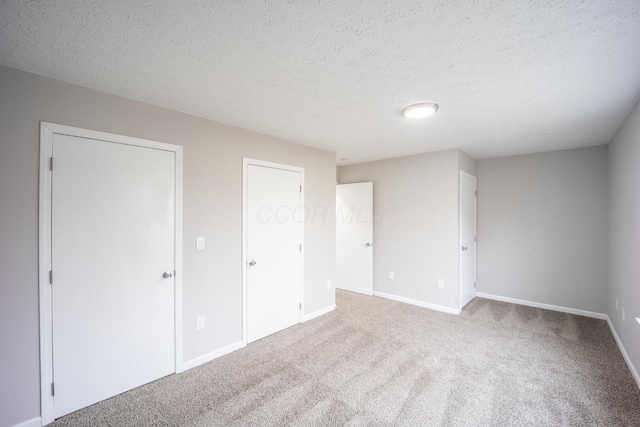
(113, 237)
(274, 235)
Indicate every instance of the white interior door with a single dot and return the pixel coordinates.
(354, 237)
(274, 221)
(467, 238)
(112, 238)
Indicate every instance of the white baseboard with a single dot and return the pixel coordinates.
(318, 313)
(545, 306)
(417, 302)
(627, 359)
(210, 356)
(33, 422)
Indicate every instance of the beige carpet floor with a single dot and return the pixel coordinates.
(375, 362)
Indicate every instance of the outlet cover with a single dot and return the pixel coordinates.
(441, 283)
(199, 323)
(199, 243)
(328, 284)
(391, 275)
(623, 314)
(616, 304)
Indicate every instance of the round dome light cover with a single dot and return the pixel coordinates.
(419, 110)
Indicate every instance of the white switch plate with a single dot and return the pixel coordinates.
(328, 284)
(199, 323)
(391, 275)
(199, 243)
(441, 283)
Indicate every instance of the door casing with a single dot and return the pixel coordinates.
(47, 130)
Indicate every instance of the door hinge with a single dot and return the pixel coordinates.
(301, 188)
(300, 306)
(53, 389)
(474, 284)
(475, 193)
(51, 163)
(300, 247)
(51, 277)
(475, 238)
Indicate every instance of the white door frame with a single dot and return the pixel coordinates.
(246, 162)
(468, 175)
(47, 130)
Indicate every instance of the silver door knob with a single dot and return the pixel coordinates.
(167, 275)
(368, 244)
(464, 248)
(252, 263)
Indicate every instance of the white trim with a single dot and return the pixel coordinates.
(475, 181)
(47, 130)
(213, 355)
(44, 266)
(246, 162)
(179, 272)
(545, 306)
(627, 359)
(33, 422)
(417, 302)
(318, 313)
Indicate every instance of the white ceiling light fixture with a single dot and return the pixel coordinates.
(419, 110)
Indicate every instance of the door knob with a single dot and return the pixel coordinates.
(167, 275)
(368, 244)
(252, 263)
(464, 248)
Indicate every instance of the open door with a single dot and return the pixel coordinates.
(354, 237)
(467, 238)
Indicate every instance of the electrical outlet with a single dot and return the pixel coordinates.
(391, 275)
(199, 243)
(441, 283)
(199, 323)
(328, 284)
(623, 314)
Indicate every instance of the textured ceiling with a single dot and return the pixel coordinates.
(511, 77)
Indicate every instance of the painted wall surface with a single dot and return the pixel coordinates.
(415, 230)
(466, 163)
(542, 228)
(624, 234)
(212, 208)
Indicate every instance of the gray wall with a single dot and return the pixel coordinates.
(212, 208)
(542, 228)
(415, 229)
(624, 234)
